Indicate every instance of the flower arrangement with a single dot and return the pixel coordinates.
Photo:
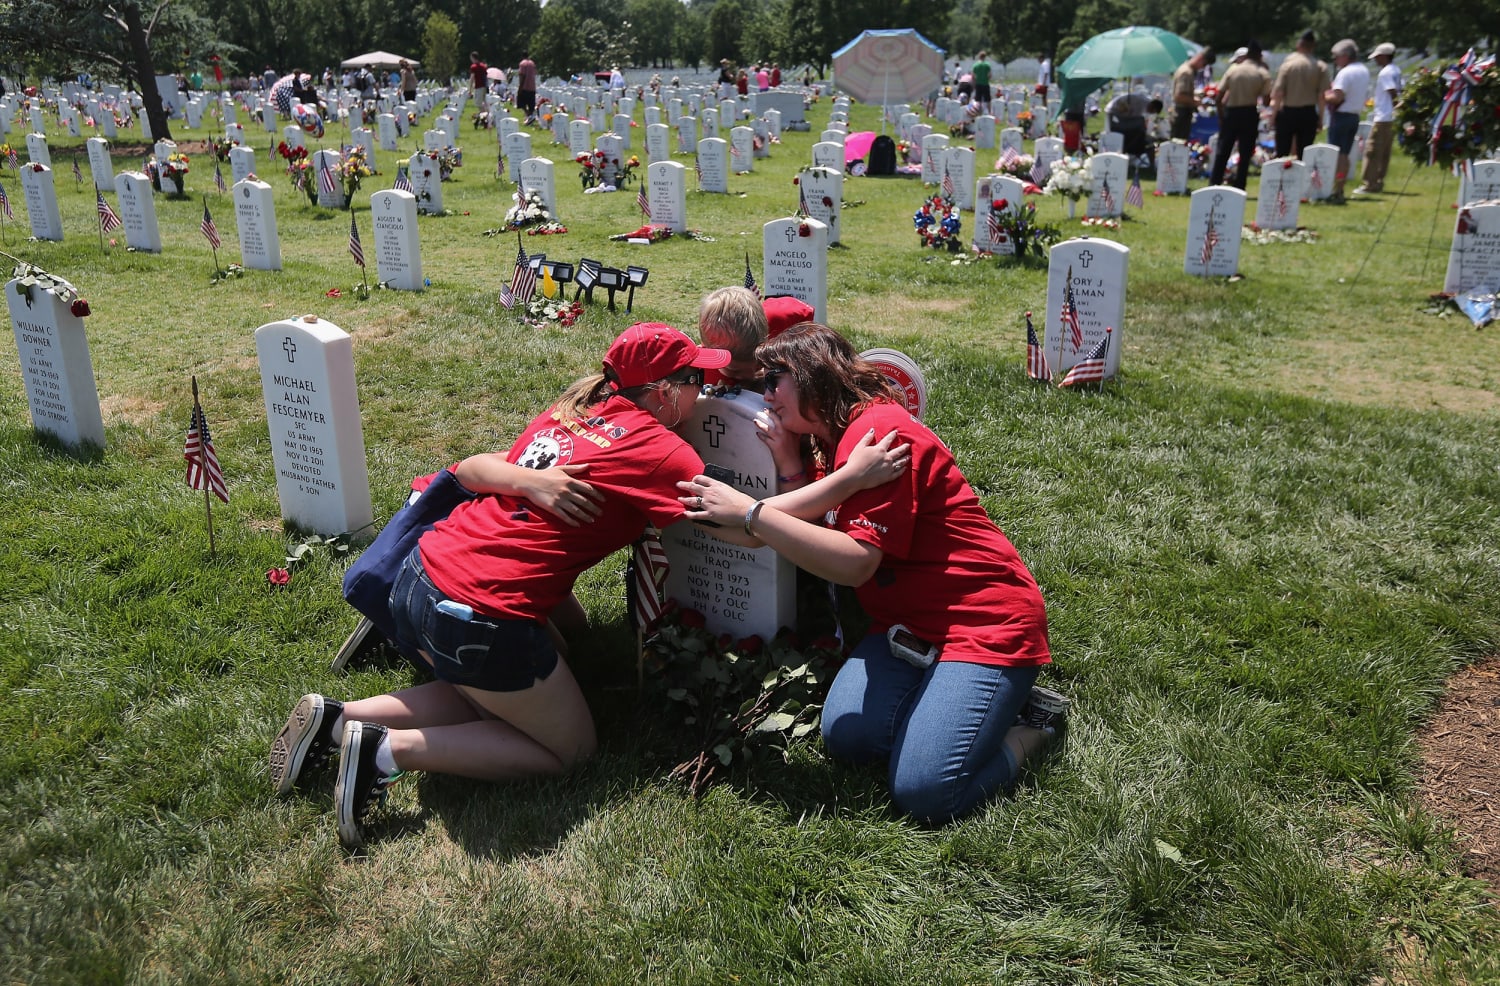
(529, 214)
(1251, 233)
(448, 158)
(1020, 226)
(1474, 128)
(649, 233)
(6, 152)
(1018, 167)
(428, 161)
(605, 173)
(903, 148)
(542, 310)
(222, 146)
(938, 223)
(1071, 179)
(353, 169)
(1101, 222)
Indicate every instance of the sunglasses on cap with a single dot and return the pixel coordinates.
(689, 378)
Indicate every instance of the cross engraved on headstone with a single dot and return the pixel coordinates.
(1084, 258)
(714, 428)
(290, 348)
(1218, 199)
(791, 234)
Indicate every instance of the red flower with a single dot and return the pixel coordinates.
(80, 308)
(796, 180)
(334, 293)
(1002, 203)
(803, 229)
(37, 168)
(724, 641)
(693, 619)
(279, 578)
(751, 645)
(827, 202)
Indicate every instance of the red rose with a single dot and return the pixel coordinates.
(803, 229)
(334, 293)
(796, 180)
(693, 619)
(279, 578)
(80, 308)
(827, 202)
(1002, 203)
(37, 168)
(751, 645)
(724, 641)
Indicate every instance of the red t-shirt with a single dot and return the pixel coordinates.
(479, 74)
(526, 76)
(505, 557)
(948, 573)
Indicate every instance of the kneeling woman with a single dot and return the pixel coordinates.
(959, 631)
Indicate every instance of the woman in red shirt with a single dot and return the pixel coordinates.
(942, 687)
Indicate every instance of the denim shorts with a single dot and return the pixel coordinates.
(1342, 129)
(489, 653)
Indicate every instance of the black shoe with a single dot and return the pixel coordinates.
(1045, 710)
(360, 784)
(305, 741)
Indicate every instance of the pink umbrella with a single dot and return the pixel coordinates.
(857, 146)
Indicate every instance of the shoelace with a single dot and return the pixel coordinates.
(379, 790)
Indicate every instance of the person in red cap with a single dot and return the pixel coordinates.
(583, 479)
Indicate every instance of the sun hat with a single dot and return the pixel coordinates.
(1384, 48)
(650, 351)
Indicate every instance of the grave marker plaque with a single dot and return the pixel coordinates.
(55, 367)
(138, 212)
(37, 150)
(666, 192)
(1483, 185)
(241, 163)
(332, 195)
(795, 262)
(933, 146)
(742, 150)
(1474, 258)
(710, 120)
(426, 182)
(1280, 196)
(538, 174)
(826, 154)
(823, 190)
(1322, 162)
(1111, 181)
(658, 143)
(1172, 158)
(255, 217)
(959, 164)
(1215, 216)
(317, 437)
(992, 189)
(41, 202)
(101, 167)
(517, 149)
(984, 132)
(580, 138)
(1097, 269)
(398, 255)
(713, 165)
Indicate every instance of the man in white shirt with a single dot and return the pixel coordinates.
(1043, 75)
(1345, 100)
(1382, 119)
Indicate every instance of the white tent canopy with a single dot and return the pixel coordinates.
(376, 59)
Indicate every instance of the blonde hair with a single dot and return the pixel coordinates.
(584, 393)
(732, 318)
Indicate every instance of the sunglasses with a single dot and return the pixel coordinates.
(771, 379)
(692, 378)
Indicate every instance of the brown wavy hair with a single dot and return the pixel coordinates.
(833, 381)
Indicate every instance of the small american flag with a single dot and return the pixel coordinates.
(802, 201)
(1134, 196)
(523, 279)
(1281, 201)
(644, 202)
(300, 181)
(1316, 178)
(403, 183)
(1106, 197)
(1036, 359)
(651, 568)
(219, 178)
(750, 284)
(209, 230)
(682, 147)
(1041, 170)
(1210, 241)
(5, 204)
(356, 248)
(108, 220)
(1091, 367)
(947, 184)
(13, 158)
(1069, 314)
(507, 296)
(77, 172)
(698, 169)
(996, 234)
(203, 472)
(325, 177)
(1008, 156)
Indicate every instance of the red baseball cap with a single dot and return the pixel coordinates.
(650, 351)
(783, 312)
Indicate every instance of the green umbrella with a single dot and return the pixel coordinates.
(1123, 52)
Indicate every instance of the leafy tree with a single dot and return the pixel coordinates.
(726, 29)
(653, 23)
(499, 30)
(440, 54)
(690, 38)
(966, 31)
(554, 45)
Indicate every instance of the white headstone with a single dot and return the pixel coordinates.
(908, 120)
(1474, 258)
(241, 163)
(788, 103)
(710, 122)
(386, 124)
(823, 191)
(1322, 162)
(833, 137)
(398, 253)
(55, 366)
(293, 138)
(1048, 150)
(1213, 232)
(990, 190)
(317, 437)
(255, 217)
(933, 146)
(1280, 196)
(426, 183)
(674, 111)
(1112, 142)
(620, 124)
(773, 123)
(538, 174)
(653, 115)
(687, 134)
(138, 212)
(101, 167)
(795, 262)
(1012, 138)
(984, 132)
(145, 124)
(1483, 185)
(666, 192)
(434, 140)
(959, 163)
(1172, 158)
(329, 161)
(38, 120)
(742, 150)
(580, 138)
(658, 142)
(1098, 269)
(713, 165)
(41, 202)
(268, 117)
(517, 149)
(826, 154)
(36, 149)
(1111, 181)
(739, 591)
(507, 126)
(596, 119)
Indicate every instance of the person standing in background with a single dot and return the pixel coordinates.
(1382, 120)
(1346, 102)
(981, 71)
(1245, 86)
(478, 73)
(1184, 93)
(526, 86)
(1297, 98)
(408, 81)
(1043, 75)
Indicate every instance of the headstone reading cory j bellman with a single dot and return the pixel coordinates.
(1089, 276)
(55, 366)
(740, 591)
(317, 437)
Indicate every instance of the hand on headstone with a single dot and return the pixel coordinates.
(706, 499)
(785, 445)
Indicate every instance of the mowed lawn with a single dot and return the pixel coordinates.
(1264, 549)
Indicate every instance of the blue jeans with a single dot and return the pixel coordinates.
(943, 728)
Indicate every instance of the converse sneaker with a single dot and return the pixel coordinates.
(361, 783)
(1045, 710)
(305, 741)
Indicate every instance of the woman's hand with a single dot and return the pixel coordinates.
(562, 492)
(707, 499)
(785, 446)
(873, 463)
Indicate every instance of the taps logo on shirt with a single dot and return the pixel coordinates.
(548, 448)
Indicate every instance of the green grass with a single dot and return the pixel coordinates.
(1263, 549)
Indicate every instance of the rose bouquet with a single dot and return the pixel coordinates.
(1070, 178)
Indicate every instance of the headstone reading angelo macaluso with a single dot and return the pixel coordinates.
(739, 591)
(317, 436)
(55, 363)
(794, 261)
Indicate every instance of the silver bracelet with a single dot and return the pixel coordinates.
(751, 515)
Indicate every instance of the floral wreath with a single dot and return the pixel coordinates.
(1433, 124)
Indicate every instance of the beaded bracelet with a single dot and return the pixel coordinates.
(793, 477)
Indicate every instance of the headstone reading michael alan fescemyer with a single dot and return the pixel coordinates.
(1474, 259)
(55, 365)
(794, 261)
(317, 436)
(1087, 275)
(1215, 216)
(740, 591)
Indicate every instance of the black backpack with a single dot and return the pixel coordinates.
(362, 81)
(882, 156)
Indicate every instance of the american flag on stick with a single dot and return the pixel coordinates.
(5, 204)
(750, 284)
(1069, 314)
(108, 220)
(1210, 241)
(325, 177)
(77, 173)
(1008, 156)
(1281, 200)
(1091, 367)
(995, 233)
(1315, 180)
(523, 279)
(947, 184)
(1036, 359)
(208, 229)
(1041, 170)
(219, 177)
(356, 248)
(1106, 196)
(402, 183)
(644, 202)
(651, 569)
(1134, 195)
(203, 471)
(13, 159)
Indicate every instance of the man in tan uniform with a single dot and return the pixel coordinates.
(1184, 101)
(1297, 98)
(1246, 84)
